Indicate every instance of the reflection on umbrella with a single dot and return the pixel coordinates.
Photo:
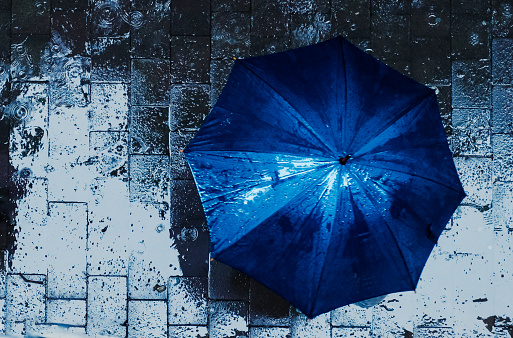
(325, 175)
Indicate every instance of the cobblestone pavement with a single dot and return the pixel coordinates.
(102, 229)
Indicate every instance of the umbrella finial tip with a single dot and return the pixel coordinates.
(343, 160)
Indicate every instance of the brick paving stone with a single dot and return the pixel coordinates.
(187, 301)
(110, 59)
(109, 106)
(503, 244)
(354, 332)
(149, 178)
(502, 19)
(431, 18)
(31, 18)
(351, 18)
(190, 17)
(230, 34)
(502, 115)
(471, 84)
(394, 316)
(351, 315)
(107, 306)
(150, 33)
(445, 105)
(470, 37)
(471, 6)
(219, 72)
(30, 57)
(303, 327)
(70, 32)
(188, 331)
(266, 308)
(25, 298)
(153, 255)
(437, 332)
(68, 133)
(390, 37)
(149, 130)
(231, 5)
(502, 61)
(49, 330)
(70, 4)
(179, 168)
(109, 152)
(502, 158)
(269, 332)
(476, 178)
(431, 63)
(227, 283)
(67, 253)
(66, 311)
(147, 319)
(270, 17)
(110, 17)
(31, 240)
(108, 228)
(228, 319)
(502, 211)
(150, 82)
(263, 45)
(70, 82)
(189, 106)
(309, 27)
(435, 290)
(5, 35)
(384, 7)
(471, 132)
(190, 58)
(28, 139)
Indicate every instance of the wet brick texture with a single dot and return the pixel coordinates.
(98, 99)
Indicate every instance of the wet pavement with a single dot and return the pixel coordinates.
(101, 228)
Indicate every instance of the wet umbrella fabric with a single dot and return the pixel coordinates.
(325, 175)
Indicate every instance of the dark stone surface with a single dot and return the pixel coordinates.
(502, 19)
(471, 84)
(70, 4)
(227, 283)
(431, 60)
(431, 18)
(110, 18)
(230, 34)
(150, 82)
(190, 59)
(189, 106)
(190, 17)
(179, 168)
(502, 61)
(266, 308)
(5, 37)
(470, 37)
(149, 131)
(390, 37)
(70, 32)
(351, 18)
(30, 17)
(111, 59)
(270, 17)
(231, 5)
(30, 57)
(150, 33)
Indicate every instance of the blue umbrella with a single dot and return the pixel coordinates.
(325, 175)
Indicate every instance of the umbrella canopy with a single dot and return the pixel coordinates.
(325, 175)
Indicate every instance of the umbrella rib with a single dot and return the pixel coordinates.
(324, 179)
(373, 202)
(316, 157)
(298, 116)
(344, 117)
(408, 173)
(330, 242)
(394, 120)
